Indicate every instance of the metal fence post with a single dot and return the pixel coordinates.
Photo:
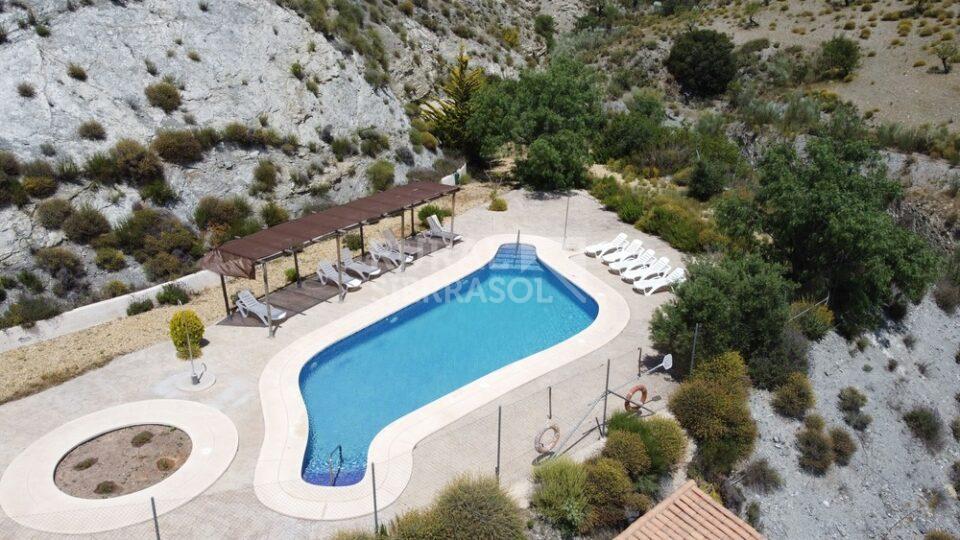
(606, 393)
(639, 361)
(549, 403)
(499, 430)
(376, 516)
(693, 353)
(156, 524)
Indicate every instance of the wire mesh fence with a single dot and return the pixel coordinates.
(497, 439)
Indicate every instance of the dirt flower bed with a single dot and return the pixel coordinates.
(123, 461)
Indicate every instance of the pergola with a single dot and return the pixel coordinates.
(240, 257)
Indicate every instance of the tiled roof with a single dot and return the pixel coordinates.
(689, 513)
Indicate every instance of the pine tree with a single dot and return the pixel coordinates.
(449, 113)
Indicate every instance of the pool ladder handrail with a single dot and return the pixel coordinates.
(333, 477)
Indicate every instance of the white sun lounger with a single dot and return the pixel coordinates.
(629, 263)
(247, 304)
(365, 271)
(626, 252)
(596, 250)
(326, 273)
(437, 230)
(390, 240)
(380, 252)
(650, 286)
(659, 268)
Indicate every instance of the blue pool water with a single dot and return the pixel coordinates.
(511, 308)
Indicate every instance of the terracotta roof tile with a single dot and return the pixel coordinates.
(689, 513)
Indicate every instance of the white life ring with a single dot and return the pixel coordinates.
(545, 447)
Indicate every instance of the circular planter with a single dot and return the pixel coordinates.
(29, 495)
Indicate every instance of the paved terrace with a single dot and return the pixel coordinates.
(237, 355)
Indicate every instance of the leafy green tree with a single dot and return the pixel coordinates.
(948, 53)
(740, 302)
(839, 57)
(826, 215)
(545, 27)
(555, 161)
(708, 178)
(702, 62)
(451, 112)
(628, 135)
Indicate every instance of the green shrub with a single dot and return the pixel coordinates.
(471, 508)
(37, 167)
(843, 446)
(163, 95)
(372, 142)
(663, 438)
(186, 331)
(955, 476)
(814, 320)
(214, 211)
(497, 204)
(39, 187)
(139, 306)
(727, 370)
(708, 178)
(838, 58)
(264, 177)
(179, 146)
(273, 214)
(610, 494)
(163, 267)
(416, 525)
(926, 425)
(380, 174)
(27, 311)
(794, 397)
(559, 494)
(342, 148)
(59, 262)
(702, 62)
(12, 192)
(554, 162)
(9, 164)
(816, 451)
(51, 213)
(947, 296)
(628, 448)
(354, 535)
(30, 281)
(85, 224)
(173, 294)
(114, 288)
(850, 400)
(137, 165)
(92, 131)
(678, 225)
(759, 475)
(955, 428)
(431, 210)
(630, 206)
(939, 534)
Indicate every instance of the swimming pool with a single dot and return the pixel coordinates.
(509, 309)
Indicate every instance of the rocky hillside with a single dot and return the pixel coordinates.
(320, 88)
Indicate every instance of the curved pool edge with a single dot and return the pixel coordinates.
(277, 478)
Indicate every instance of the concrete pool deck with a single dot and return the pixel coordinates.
(238, 355)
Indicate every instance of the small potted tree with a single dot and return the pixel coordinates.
(186, 332)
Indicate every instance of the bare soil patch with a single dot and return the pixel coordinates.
(122, 461)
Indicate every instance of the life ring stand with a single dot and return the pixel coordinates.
(629, 404)
(546, 447)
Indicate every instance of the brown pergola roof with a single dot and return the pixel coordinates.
(240, 256)
(689, 513)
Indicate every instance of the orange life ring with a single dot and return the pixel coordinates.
(628, 403)
(546, 447)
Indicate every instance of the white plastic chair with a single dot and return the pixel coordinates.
(629, 263)
(326, 273)
(247, 304)
(602, 248)
(650, 286)
(658, 268)
(365, 271)
(437, 230)
(626, 252)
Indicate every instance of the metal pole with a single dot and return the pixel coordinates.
(639, 361)
(565, 216)
(339, 269)
(606, 392)
(266, 299)
(549, 403)
(296, 266)
(363, 252)
(693, 353)
(226, 299)
(413, 223)
(376, 516)
(156, 524)
(499, 426)
(453, 212)
(403, 255)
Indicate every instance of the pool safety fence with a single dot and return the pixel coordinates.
(562, 413)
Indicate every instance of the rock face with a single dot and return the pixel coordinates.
(233, 62)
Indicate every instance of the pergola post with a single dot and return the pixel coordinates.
(413, 223)
(296, 267)
(453, 213)
(266, 299)
(339, 270)
(403, 256)
(226, 299)
(363, 252)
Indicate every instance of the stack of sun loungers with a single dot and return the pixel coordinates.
(638, 266)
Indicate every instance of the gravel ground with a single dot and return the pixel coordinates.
(885, 490)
